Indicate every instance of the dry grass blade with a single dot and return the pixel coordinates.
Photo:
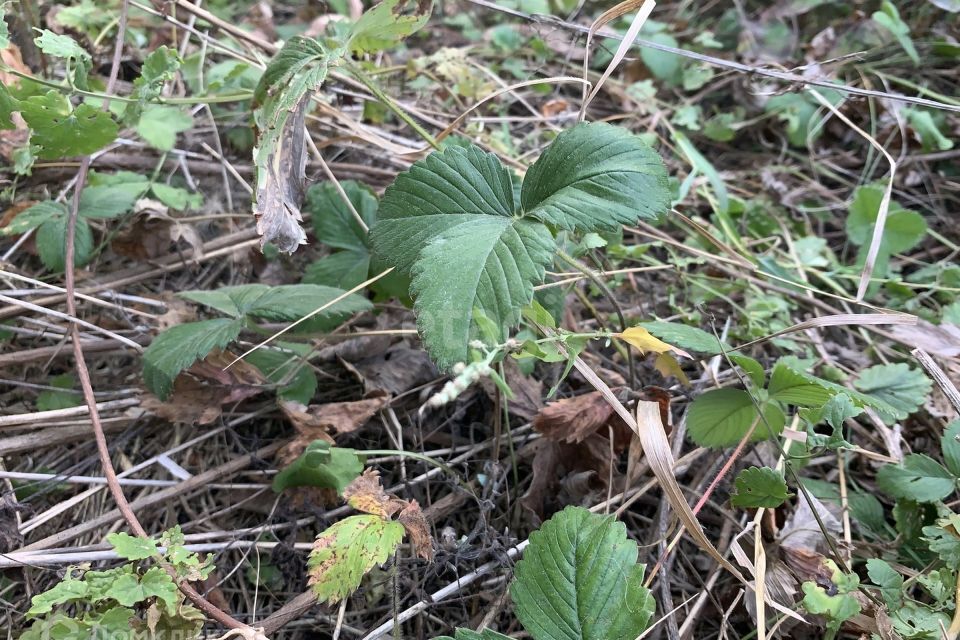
(646, 7)
(874, 250)
(660, 458)
(839, 320)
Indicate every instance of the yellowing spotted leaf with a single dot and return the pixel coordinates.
(646, 342)
(345, 552)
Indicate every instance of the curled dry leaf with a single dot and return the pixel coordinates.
(366, 494)
(575, 419)
(280, 193)
(322, 421)
(417, 527)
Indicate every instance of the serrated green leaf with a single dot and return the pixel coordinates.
(889, 581)
(175, 197)
(898, 385)
(281, 303)
(346, 551)
(951, 447)
(344, 269)
(919, 478)
(883, 408)
(596, 177)
(179, 347)
(132, 547)
(157, 583)
(279, 154)
(34, 216)
(63, 46)
(333, 222)
(60, 130)
(759, 487)
(753, 369)
(159, 126)
(579, 580)
(320, 465)
(158, 67)
(450, 222)
(387, 23)
(902, 231)
(52, 243)
(787, 385)
(722, 417)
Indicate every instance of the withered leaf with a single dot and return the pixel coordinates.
(413, 520)
(366, 494)
(574, 419)
(321, 421)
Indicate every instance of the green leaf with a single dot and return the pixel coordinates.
(52, 243)
(722, 417)
(919, 478)
(951, 447)
(898, 385)
(333, 222)
(889, 581)
(902, 231)
(859, 399)
(452, 215)
(944, 540)
(159, 126)
(387, 23)
(320, 465)
(279, 154)
(704, 166)
(69, 590)
(132, 547)
(579, 580)
(281, 303)
(110, 201)
(60, 130)
(451, 222)
(175, 197)
(286, 367)
(68, 397)
(157, 583)
(927, 127)
(596, 177)
(889, 18)
(753, 369)
(788, 386)
(346, 551)
(34, 216)
(158, 68)
(759, 487)
(838, 607)
(344, 269)
(179, 347)
(662, 64)
(466, 634)
(63, 46)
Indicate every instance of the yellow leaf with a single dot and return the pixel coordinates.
(645, 342)
(667, 365)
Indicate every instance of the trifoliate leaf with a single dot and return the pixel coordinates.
(52, 243)
(889, 581)
(451, 222)
(919, 478)
(60, 130)
(387, 23)
(595, 177)
(179, 347)
(579, 580)
(132, 547)
(722, 417)
(279, 154)
(322, 466)
(345, 552)
(159, 126)
(759, 487)
(898, 385)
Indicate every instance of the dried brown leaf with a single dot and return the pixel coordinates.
(573, 419)
(366, 494)
(417, 527)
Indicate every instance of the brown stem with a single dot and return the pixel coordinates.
(84, 374)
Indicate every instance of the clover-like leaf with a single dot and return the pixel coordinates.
(346, 551)
(759, 487)
(452, 222)
(579, 580)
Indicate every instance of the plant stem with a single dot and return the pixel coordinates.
(592, 276)
(368, 82)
